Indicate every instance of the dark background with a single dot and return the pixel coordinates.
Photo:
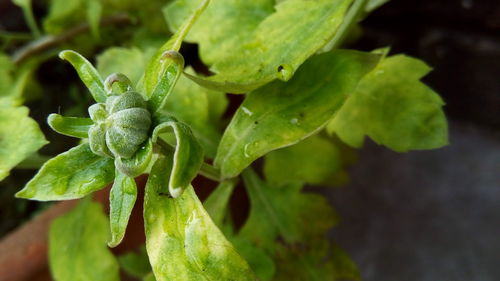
(433, 215)
(418, 216)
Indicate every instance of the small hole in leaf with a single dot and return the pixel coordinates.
(280, 68)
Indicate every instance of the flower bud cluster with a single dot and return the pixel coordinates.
(121, 125)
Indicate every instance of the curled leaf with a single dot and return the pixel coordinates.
(188, 154)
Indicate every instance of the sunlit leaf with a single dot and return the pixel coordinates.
(275, 44)
(281, 114)
(20, 137)
(77, 246)
(70, 175)
(182, 241)
(122, 199)
(393, 108)
(88, 74)
(70, 126)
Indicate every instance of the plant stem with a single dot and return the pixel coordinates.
(30, 20)
(49, 41)
(206, 170)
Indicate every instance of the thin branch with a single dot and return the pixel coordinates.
(50, 41)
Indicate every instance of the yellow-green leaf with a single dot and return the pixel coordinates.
(182, 241)
(281, 114)
(122, 199)
(70, 175)
(393, 108)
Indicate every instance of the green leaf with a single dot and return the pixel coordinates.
(137, 164)
(281, 114)
(199, 108)
(70, 175)
(77, 246)
(20, 137)
(121, 201)
(314, 263)
(63, 14)
(172, 64)
(182, 241)
(88, 74)
(165, 62)
(129, 61)
(235, 22)
(135, 264)
(188, 154)
(70, 126)
(269, 51)
(283, 211)
(216, 203)
(393, 108)
(260, 262)
(314, 160)
(374, 4)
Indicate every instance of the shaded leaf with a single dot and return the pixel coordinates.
(260, 262)
(121, 201)
(70, 175)
(180, 230)
(217, 202)
(188, 154)
(285, 212)
(77, 246)
(281, 114)
(129, 61)
(199, 108)
(94, 12)
(20, 137)
(393, 108)
(314, 160)
(70, 126)
(135, 264)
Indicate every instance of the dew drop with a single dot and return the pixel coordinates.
(285, 72)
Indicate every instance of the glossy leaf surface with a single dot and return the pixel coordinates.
(20, 137)
(70, 126)
(187, 158)
(281, 114)
(268, 52)
(77, 246)
(314, 160)
(182, 241)
(70, 175)
(393, 108)
(121, 201)
(88, 74)
(284, 211)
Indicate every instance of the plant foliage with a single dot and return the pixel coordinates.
(301, 97)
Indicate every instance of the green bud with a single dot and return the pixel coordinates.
(97, 140)
(121, 125)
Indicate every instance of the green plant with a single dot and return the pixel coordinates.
(304, 98)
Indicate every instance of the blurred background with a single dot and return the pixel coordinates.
(418, 216)
(433, 215)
